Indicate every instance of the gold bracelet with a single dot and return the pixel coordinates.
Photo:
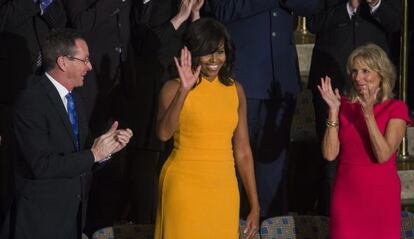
(331, 124)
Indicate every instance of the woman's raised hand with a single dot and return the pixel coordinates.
(367, 98)
(331, 97)
(188, 76)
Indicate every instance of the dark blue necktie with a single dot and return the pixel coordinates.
(73, 118)
(43, 4)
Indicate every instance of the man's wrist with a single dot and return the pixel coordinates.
(176, 22)
(106, 158)
(195, 16)
(97, 156)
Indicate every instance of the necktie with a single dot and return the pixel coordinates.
(73, 118)
(44, 4)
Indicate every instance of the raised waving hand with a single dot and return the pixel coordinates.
(331, 97)
(188, 76)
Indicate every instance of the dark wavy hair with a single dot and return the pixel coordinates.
(203, 37)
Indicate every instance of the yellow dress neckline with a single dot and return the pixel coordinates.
(210, 81)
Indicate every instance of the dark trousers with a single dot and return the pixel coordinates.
(144, 168)
(6, 170)
(107, 197)
(124, 189)
(269, 123)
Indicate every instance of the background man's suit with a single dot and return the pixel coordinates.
(51, 177)
(266, 66)
(106, 27)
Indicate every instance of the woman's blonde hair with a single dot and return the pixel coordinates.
(377, 60)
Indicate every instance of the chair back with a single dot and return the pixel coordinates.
(282, 227)
(127, 231)
(242, 227)
(311, 227)
(407, 225)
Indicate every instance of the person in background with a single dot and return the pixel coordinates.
(340, 27)
(267, 67)
(157, 29)
(54, 157)
(106, 27)
(363, 132)
(205, 111)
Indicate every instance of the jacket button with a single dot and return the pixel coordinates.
(78, 196)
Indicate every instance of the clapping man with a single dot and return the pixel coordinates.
(53, 158)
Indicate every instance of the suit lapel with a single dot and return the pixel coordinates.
(58, 106)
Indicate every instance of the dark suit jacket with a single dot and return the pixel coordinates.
(262, 30)
(337, 35)
(51, 177)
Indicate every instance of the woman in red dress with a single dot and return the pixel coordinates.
(364, 130)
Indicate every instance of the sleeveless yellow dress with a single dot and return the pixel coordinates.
(198, 192)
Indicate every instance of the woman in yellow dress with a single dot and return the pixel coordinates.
(205, 111)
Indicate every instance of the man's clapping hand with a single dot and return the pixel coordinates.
(111, 142)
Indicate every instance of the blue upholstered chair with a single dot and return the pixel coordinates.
(282, 227)
(243, 226)
(407, 225)
(295, 227)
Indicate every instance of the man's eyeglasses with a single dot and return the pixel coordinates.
(84, 61)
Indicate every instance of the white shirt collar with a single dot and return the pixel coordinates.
(351, 11)
(61, 90)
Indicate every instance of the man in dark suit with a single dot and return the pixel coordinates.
(266, 65)
(106, 27)
(53, 161)
(23, 27)
(341, 26)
